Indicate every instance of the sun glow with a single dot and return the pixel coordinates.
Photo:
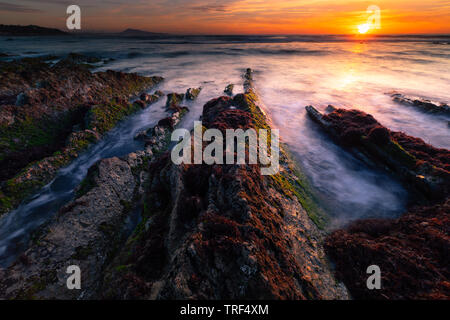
(363, 28)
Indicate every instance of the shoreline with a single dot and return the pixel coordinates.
(224, 231)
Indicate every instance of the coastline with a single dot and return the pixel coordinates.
(259, 237)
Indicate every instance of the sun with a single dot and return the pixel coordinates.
(363, 28)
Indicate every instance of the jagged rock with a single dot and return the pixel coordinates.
(42, 84)
(22, 99)
(421, 103)
(151, 98)
(86, 232)
(420, 165)
(248, 80)
(223, 231)
(140, 103)
(330, 108)
(174, 100)
(144, 97)
(229, 89)
(158, 135)
(192, 93)
(412, 253)
(81, 58)
(159, 93)
(58, 98)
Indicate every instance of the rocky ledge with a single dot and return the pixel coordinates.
(423, 104)
(224, 231)
(31, 30)
(205, 231)
(412, 251)
(90, 230)
(424, 168)
(49, 113)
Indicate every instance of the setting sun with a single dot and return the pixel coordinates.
(363, 28)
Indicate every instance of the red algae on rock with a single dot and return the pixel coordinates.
(222, 231)
(419, 164)
(412, 251)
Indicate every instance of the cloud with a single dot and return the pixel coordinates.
(9, 7)
(237, 16)
(210, 8)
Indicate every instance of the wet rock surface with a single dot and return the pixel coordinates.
(86, 232)
(174, 100)
(192, 93)
(223, 231)
(421, 103)
(31, 30)
(412, 251)
(50, 113)
(420, 165)
(229, 89)
(141, 227)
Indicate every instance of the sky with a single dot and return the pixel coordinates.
(235, 16)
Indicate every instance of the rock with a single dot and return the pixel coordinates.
(408, 157)
(140, 103)
(174, 100)
(22, 99)
(145, 97)
(411, 252)
(83, 234)
(81, 58)
(192, 93)
(150, 98)
(379, 135)
(229, 89)
(159, 93)
(86, 232)
(64, 96)
(167, 122)
(248, 80)
(424, 104)
(330, 108)
(42, 84)
(222, 231)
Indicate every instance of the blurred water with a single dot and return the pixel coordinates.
(291, 72)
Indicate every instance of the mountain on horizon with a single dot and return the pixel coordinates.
(30, 30)
(139, 33)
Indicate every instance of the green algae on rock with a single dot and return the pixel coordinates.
(67, 108)
(223, 231)
(192, 93)
(88, 231)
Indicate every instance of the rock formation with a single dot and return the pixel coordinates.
(89, 230)
(50, 113)
(423, 104)
(205, 232)
(411, 251)
(224, 231)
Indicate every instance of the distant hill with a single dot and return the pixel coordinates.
(31, 30)
(138, 33)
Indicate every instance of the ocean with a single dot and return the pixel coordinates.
(291, 72)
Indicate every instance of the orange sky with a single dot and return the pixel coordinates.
(235, 17)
